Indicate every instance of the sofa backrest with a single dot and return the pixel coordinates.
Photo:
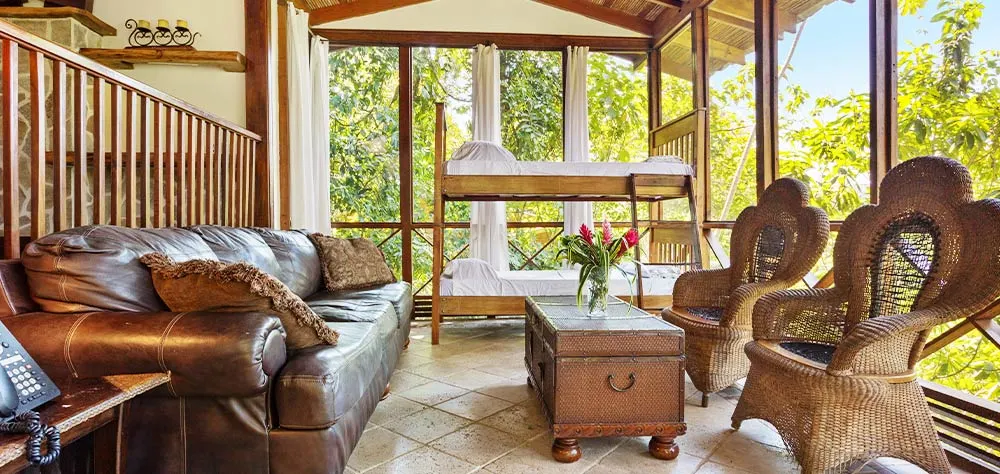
(97, 268)
(239, 244)
(298, 263)
(14, 296)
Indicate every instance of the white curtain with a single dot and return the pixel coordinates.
(488, 222)
(308, 123)
(576, 145)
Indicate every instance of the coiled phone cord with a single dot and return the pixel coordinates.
(30, 423)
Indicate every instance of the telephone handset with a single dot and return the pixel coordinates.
(24, 387)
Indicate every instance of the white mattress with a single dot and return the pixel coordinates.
(552, 283)
(560, 168)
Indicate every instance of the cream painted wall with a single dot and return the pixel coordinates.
(494, 16)
(221, 25)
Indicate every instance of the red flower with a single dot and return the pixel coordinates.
(632, 237)
(607, 232)
(586, 234)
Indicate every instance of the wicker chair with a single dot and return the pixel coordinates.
(773, 246)
(833, 369)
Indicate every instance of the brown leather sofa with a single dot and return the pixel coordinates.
(238, 401)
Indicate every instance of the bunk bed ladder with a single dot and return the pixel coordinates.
(636, 182)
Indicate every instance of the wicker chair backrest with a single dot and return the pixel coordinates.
(778, 237)
(916, 245)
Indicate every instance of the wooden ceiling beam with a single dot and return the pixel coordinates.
(667, 3)
(456, 39)
(670, 21)
(603, 14)
(734, 21)
(343, 11)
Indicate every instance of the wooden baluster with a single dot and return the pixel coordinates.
(11, 154)
(144, 191)
(247, 172)
(171, 208)
(99, 158)
(130, 185)
(116, 155)
(59, 145)
(191, 190)
(213, 195)
(228, 179)
(38, 133)
(181, 171)
(240, 202)
(158, 169)
(80, 146)
(199, 177)
(251, 181)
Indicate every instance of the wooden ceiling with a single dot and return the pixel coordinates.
(731, 22)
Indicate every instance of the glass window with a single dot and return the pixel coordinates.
(617, 105)
(732, 117)
(949, 87)
(677, 76)
(364, 134)
(824, 105)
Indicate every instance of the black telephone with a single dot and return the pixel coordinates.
(24, 387)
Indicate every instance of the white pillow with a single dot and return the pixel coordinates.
(481, 150)
(665, 159)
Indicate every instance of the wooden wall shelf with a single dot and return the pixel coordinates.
(231, 61)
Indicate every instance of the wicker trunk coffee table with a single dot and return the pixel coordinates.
(621, 374)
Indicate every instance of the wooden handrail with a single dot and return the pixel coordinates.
(54, 51)
(136, 156)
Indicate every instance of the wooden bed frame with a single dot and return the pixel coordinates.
(671, 242)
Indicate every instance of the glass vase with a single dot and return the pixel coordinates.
(597, 281)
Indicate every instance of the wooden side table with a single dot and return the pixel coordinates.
(86, 406)
(621, 374)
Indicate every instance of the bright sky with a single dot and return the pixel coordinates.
(832, 55)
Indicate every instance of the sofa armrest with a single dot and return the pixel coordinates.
(207, 354)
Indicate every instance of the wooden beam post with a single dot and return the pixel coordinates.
(260, 57)
(437, 264)
(766, 43)
(653, 89)
(406, 158)
(703, 165)
(284, 133)
(703, 168)
(884, 118)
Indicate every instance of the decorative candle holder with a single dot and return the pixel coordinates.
(144, 36)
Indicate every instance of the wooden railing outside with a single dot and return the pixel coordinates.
(138, 157)
(676, 138)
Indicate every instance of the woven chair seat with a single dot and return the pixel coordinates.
(707, 312)
(816, 352)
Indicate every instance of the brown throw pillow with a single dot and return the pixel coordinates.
(350, 264)
(206, 285)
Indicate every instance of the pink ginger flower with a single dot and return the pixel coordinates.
(607, 232)
(586, 234)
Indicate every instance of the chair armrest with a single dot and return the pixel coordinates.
(886, 345)
(207, 354)
(816, 314)
(740, 307)
(702, 288)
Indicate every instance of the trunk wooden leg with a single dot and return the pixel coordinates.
(662, 447)
(406, 345)
(704, 400)
(566, 450)
(385, 393)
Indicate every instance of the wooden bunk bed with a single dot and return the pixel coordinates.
(670, 242)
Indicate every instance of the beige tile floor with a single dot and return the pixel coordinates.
(464, 406)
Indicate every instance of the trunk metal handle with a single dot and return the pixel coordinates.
(631, 383)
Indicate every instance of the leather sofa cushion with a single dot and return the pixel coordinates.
(399, 294)
(97, 268)
(357, 310)
(236, 244)
(16, 298)
(320, 384)
(298, 262)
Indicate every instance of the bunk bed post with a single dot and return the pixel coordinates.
(438, 239)
(635, 225)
